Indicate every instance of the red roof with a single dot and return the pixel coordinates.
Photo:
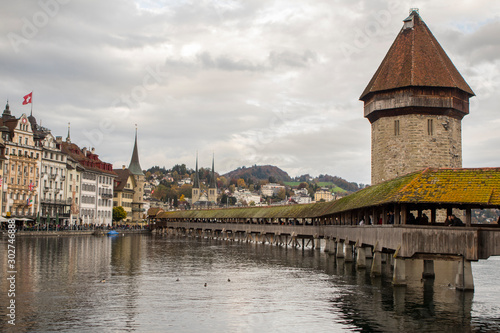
(416, 59)
(88, 160)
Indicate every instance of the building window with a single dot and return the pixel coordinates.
(430, 126)
(396, 127)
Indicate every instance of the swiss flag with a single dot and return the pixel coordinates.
(27, 98)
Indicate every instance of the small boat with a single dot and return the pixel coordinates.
(112, 232)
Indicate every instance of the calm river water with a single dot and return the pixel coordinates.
(157, 284)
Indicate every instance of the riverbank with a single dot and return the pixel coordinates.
(75, 232)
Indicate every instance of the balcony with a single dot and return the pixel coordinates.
(52, 176)
(55, 202)
(63, 177)
(107, 195)
(19, 202)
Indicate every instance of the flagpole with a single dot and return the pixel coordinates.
(31, 103)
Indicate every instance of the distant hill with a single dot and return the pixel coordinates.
(259, 172)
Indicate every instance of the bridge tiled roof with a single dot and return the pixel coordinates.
(478, 187)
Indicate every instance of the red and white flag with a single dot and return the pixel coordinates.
(27, 98)
(31, 186)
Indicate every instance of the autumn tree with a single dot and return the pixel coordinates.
(185, 190)
(302, 185)
(241, 183)
(281, 194)
(119, 213)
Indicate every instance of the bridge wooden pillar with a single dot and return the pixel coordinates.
(404, 214)
(468, 217)
(397, 214)
(348, 255)
(399, 276)
(360, 256)
(340, 249)
(464, 280)
(433, 215)
(376, 269)
(428, 269)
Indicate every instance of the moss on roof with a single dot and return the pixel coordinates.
(474, 187)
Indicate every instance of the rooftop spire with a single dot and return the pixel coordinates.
(196, 177)
(135, 167)
(213, 183)
(68, 139)
(7, 109)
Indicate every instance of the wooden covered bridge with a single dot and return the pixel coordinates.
(407, 221)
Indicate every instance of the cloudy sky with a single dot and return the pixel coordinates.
(255, 81)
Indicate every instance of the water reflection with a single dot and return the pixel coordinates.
(155, 283)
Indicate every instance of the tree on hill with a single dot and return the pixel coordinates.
(241, 183)
(258, 173)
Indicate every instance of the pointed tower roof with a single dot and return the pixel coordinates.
(68, 138)
(196, 177)
(135, 167)
(415, 59)
(213, 183)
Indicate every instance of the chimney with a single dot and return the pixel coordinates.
(92, 150)
(59, 139)
(84, 151)
(123, 167)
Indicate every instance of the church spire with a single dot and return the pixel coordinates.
(68, 139)
(212, 176)
(196, 177)
(135, 167)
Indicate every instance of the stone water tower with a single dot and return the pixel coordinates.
(415, 103)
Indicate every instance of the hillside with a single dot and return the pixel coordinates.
(259, 172)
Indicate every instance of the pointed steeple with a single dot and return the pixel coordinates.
(213, 183)
(415, 59)
(68, 138)
(6, 112)
(135, 167)
(196, 176)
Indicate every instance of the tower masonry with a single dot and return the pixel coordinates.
(415, 103)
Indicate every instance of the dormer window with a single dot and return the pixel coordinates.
(408, 22)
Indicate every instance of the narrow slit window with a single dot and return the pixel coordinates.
(396, 127)
(430, 126)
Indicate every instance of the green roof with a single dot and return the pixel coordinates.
(479, 187)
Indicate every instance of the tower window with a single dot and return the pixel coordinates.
(396, 127)
(430, 126)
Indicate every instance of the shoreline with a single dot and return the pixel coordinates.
(74, 232)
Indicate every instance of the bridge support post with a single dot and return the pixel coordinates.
(360, 257)
(428, 272)
(348, 252)
(317, 243)
(340, 249)
(327, 245)
(464, 280)
(376, 269)
(399, 276)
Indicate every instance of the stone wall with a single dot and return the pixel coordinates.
(416, 146)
